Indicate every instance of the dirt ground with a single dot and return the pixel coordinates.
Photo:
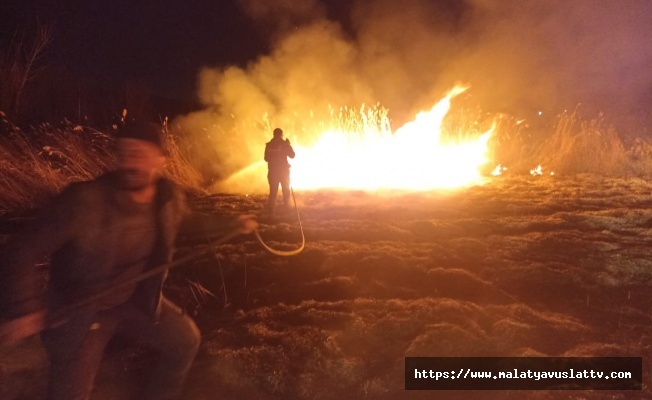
(521, 266)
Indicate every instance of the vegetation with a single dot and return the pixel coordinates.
(570, 145)
(19, 65)
(41, 160)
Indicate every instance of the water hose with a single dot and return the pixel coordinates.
(62, 315)
(286, 253)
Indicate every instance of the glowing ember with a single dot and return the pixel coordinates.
(414, 157)
(498, 170)
(537, 171)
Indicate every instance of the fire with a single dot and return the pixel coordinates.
(498, 170)
(414, 157)
(361, 152)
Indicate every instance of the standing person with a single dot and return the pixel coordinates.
(98, 233)
(277, 152)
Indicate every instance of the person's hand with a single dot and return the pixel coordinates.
(22, 327)
(247, 223)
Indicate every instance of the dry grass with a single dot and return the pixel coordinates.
(571, 145)
(523, 266)
(39, 161)
(512, 144)
(349, 119)
(179, 168)
(579, 146)
(640, 154)
(519, 267)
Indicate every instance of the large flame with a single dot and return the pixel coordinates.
(414, 157)
(362, 153)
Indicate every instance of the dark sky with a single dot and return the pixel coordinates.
(527, 54)
(161, 44)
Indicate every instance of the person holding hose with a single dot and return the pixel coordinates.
(277, 152)
(99, 233)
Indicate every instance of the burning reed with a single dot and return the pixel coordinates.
(40, 160)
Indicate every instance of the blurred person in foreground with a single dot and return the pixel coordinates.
(277, 152)
(98, 233)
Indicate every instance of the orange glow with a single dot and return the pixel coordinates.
(414, 157)
(360, 152)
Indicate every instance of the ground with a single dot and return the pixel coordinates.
(520, 266)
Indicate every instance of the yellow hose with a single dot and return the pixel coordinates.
(288, 252)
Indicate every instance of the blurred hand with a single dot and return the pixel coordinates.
(22, 327)
(247, 223)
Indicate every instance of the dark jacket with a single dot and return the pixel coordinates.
(277, 152)
(76, 230)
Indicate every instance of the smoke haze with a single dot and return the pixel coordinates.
(517, 56)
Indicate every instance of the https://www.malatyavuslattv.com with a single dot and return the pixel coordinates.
(523, 373)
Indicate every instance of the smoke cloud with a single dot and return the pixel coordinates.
(518, 57)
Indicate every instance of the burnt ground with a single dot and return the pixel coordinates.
(525, 266)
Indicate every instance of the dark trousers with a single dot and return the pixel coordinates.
(75, 350)
(276, 178)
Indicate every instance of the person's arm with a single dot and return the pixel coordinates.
(289, 150)
(21, 298)
(266, 153)
(41, 237)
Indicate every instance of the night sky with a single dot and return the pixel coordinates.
(517, 55)
(160, 44)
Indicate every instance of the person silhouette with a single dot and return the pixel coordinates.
(277, 152)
